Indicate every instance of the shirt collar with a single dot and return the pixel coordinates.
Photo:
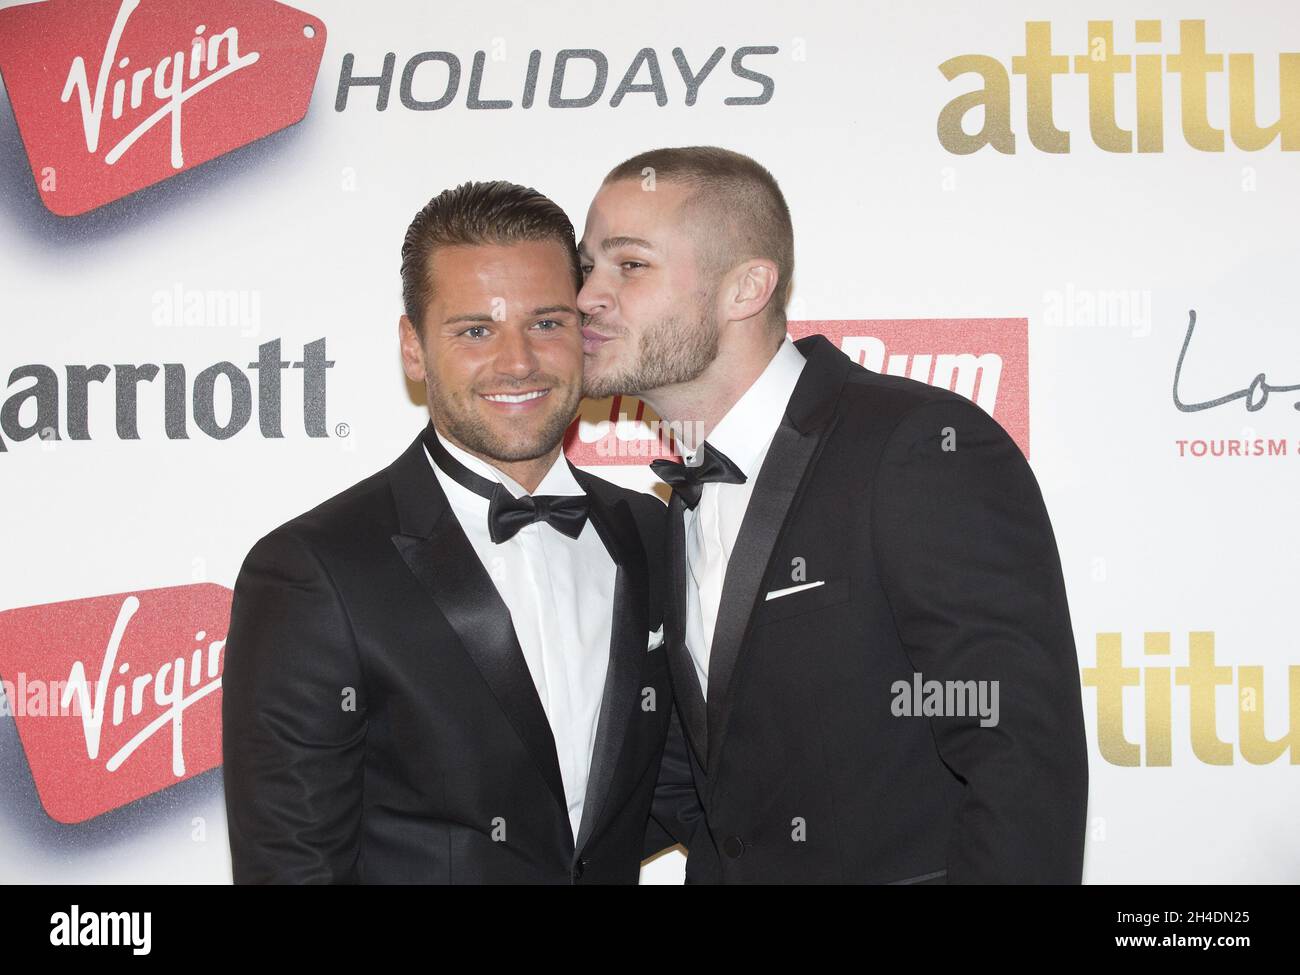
(748, 427)
(558, 480)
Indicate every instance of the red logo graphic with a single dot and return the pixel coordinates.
(116, 697)
(984, 359)
(111, 97)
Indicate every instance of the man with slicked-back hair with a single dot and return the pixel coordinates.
(453, 671)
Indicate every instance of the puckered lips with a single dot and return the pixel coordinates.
(592, 340)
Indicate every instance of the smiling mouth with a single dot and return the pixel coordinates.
(515, 397)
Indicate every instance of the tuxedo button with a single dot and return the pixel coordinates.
(733, 847)
(580, 867)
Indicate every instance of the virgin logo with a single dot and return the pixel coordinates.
(168, 84)
(115, 697)
(111, 98)
(168, 692)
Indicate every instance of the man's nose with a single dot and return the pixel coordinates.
(593, 298)
(516, 355)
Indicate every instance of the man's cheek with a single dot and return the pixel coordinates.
(563, 361)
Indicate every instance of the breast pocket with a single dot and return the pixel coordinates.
(782, 606)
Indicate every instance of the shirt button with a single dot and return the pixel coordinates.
(733, 847)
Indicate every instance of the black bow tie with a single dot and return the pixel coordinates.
(506, 513)
(688, 480)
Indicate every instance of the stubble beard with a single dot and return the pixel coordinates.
(476, 435)
(674, 350)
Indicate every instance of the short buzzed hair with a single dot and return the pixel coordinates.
(739, 203)
(494, 212)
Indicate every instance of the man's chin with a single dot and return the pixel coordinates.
(605, 384)
(510, 444)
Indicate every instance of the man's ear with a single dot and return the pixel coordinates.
(750, 289)
(412, 350)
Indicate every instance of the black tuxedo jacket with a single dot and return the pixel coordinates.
(934, 561)
(380, 724)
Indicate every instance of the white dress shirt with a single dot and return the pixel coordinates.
(744, 435)
(560, 593)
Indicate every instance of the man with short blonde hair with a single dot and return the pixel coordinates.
(834, 535)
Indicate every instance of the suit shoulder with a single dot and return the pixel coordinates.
(895, 394)
(649, 513)
(872, 403)
(338, 518)
(642, 503)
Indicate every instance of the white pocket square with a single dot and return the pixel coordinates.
(778, 593)
(656, 638)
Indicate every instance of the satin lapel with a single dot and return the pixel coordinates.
(686, 685)
(627, 647)
(787, 458)
(443, 560)
(797, 438)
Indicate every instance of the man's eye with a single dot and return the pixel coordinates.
(475, 331)
(585, 268)
(631, 263)
(548, 324)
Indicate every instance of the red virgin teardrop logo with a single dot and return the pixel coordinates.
(111, 97)
(115, 697)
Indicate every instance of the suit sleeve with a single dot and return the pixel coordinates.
(968, 559)
(675, 812)
(293, 721)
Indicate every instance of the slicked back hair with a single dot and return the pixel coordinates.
(494, 212)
